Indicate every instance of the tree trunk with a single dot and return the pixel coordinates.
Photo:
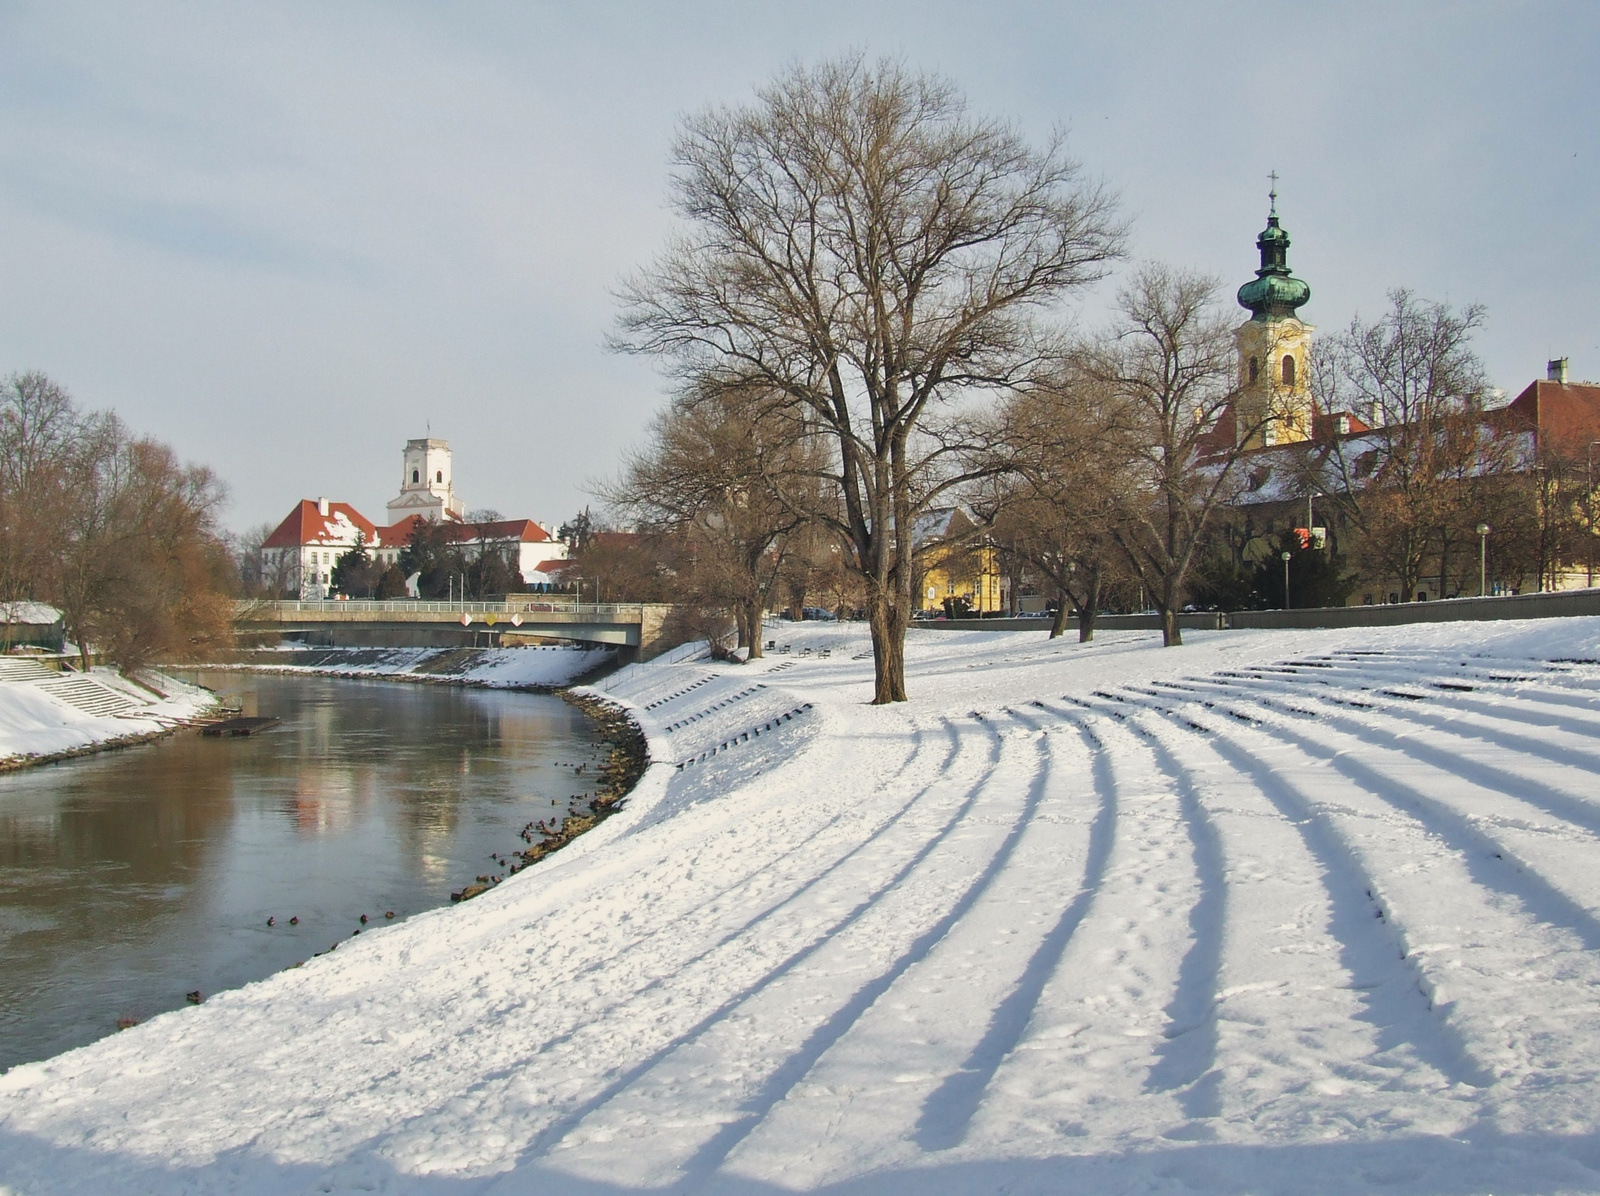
(1059, 623)
(888, 651)
(1171, 633)
(1089, 612)
(752, 619)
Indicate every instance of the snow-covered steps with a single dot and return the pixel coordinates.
(750, 692)
(687, 689)
(21, 669)
(89, 695)
(747, 735)
(83, 692)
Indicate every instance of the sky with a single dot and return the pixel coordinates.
(286, 238)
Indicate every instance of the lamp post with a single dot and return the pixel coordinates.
(1483, 560)
(1589, 495)
(1286, 555)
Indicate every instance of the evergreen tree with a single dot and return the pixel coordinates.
(355, 574)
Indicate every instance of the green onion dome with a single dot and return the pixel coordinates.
(1273, 293)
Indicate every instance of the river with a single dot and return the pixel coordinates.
(132, 878)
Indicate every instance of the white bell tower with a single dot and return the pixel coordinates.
(425, 486)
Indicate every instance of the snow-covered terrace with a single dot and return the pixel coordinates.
(1299, 912)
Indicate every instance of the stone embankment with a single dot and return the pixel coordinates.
(626, 761)
(538, 669)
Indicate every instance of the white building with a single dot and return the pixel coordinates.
(300, 554)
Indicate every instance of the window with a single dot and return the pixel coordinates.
(438, 475)
(1255, 369)
(1288, 370)
(415, 477)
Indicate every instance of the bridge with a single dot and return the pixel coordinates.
(635, 627)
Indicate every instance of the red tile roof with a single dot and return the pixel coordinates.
(1564, 416)
(304, 525)
(524, 530)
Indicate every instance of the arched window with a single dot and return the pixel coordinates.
(415, 477)
(1255, 369)
(438, 475)
(1288, 369)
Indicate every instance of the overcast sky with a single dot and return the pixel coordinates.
(285, 238)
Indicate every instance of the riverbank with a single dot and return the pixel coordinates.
(1278, 911)
(538, 669)
(47, 716)
(627, 759)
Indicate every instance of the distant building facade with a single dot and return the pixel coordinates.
(298, 557)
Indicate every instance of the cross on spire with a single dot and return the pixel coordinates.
(1273, 194)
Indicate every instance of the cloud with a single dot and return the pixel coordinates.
(287, 238)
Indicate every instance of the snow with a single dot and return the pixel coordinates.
(36, 722)
(33, 614)
(1277, 911)
(494, 668)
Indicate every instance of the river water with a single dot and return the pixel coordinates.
(132, 878)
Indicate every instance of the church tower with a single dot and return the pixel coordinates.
(425, 486)
(1274, 347)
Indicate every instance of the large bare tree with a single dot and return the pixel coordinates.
(1168, 366)
(863, 248)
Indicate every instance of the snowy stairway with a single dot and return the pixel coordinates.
(738, 697)
(746, 736)
(25, 670)
(89, 696)
(672, 697)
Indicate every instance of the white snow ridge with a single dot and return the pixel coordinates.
(1286, 912)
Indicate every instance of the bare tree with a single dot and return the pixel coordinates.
(1050, 503)
(1167, 368)
(862, 248)
(730, 474)
(1413, 377)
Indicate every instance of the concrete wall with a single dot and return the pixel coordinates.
(1193, 621)
(1517, 606)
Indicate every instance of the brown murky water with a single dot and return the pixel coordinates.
(132, 878)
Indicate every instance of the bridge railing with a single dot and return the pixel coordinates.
(518, 604)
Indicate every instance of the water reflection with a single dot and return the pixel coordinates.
(131, 878)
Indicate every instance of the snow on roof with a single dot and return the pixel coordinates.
(32, 614)
(939, 523)
(306, 525)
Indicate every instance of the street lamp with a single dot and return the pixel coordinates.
(1286, 555)
(1589, 495)
(1483, 559)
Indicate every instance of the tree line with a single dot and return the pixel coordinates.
(110, 528)
(863, 316)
